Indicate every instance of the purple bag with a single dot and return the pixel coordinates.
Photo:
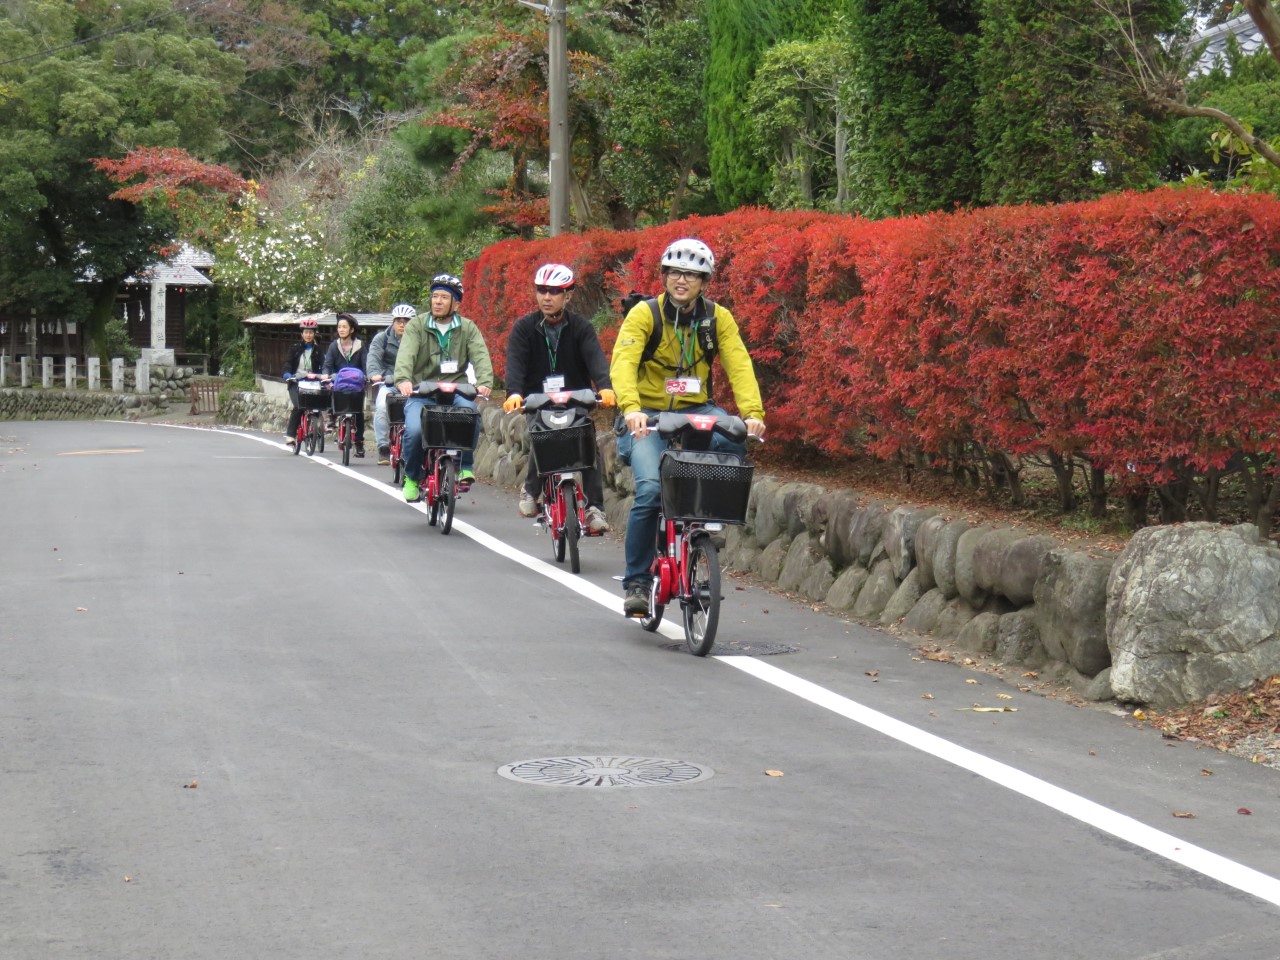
(349, 380)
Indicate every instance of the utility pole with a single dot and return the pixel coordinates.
(558, 97)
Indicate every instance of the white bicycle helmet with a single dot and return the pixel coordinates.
(554, 275)
(449, 283)
(689, 254)
(403, 311)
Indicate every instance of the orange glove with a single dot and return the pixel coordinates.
(608, 398)
(512, 403)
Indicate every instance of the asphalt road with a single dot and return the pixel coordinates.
(253, 706)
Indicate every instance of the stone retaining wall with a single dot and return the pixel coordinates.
(996, 592)
(36, 404)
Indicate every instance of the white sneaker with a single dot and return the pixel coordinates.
(528, 504)
(597, 522)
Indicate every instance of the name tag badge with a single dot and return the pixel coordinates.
(448, 366)
(679, 386)
(553, 384)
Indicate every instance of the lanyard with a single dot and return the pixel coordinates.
(552, 352)
(443, 338)
(687, 350)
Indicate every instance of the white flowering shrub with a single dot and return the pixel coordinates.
(276, 262)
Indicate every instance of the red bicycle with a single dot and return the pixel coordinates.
(447, 431)
(702, 491)
(562, 436)
(395, 416)
(345, 405)
(313, 399)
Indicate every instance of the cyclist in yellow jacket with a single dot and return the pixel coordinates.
(677, 376)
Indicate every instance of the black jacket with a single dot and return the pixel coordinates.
(578, 356)
(295, 354)
(335, 361)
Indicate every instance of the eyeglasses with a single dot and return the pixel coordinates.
(542, 289)
(686, 275)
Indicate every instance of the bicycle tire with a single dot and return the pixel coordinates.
(320, 439)
(397, 470)
(313, 431)
(654, 617)
(299, 440)
(551, 505)
(572, 528)
(344, 441)
(702, 606)
(448, 494)
(433, 500)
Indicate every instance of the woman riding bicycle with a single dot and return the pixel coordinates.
(553, 349)
(305, 358)
(686, 330)
(348, 351)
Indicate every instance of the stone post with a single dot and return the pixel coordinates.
(117, 374)
(4, 369)
(142, 377)
(46, 372)
(71, 373)
(95, 373)
(24, 371)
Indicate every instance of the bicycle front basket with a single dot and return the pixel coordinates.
(344, 402)
(452, 427)
(312, 396)
(563, 441)
(395, 406)
(705, 485)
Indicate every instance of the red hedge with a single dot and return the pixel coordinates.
(1140, 330)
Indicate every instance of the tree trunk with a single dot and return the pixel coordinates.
(842, 160)
(678, 196)
(101, 309)
(581, 205)
(1063, 472)
(1097, 479)
(1265, 18)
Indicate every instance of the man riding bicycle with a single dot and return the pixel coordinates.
(439, 347)
(662, 361)
(553, 349)
(381, 364)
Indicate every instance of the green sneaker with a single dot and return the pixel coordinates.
(411, 493)
(466, 478)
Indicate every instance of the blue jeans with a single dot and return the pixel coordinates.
(413, 452)
(644, 457)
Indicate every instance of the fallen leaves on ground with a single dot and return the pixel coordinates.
(1004, 696)
(872, 673)
(1245, 722)
(926, 696)
(191, 786)
(1183, 815)
(1245, 812)
(977, 709)
(774, 773)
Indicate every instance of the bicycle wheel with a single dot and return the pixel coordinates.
(702, 606)
(433, 499)
(572, 528)
(299, 438)
(344, 441)
(553, 508)
(313, 433)
(448, 493)
(654, 617)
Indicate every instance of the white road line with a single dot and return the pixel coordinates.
(1118, 825)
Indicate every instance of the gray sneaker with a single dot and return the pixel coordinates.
(597, 522)
(528, 504)
(637, 602)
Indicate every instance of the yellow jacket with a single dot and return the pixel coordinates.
(643, 387)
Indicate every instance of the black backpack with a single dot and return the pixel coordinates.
(706, 332)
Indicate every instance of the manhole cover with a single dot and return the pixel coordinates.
(604, 771)
(741, 648)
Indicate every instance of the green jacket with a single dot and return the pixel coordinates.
(422, 348)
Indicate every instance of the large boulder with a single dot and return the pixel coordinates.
(928, 535)
(966, 566)
(903, 599)
(1071, 609)
(866, 531)
(770, 522)
(876, 592)
(798, 564)
(944, 548)
(988, 557)
(829, 520)
(1192, 610)
(923, 617)
(1021, 567)
(797, 500)
(900, 538)
(844, 592)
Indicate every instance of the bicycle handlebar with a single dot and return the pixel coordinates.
(439, 389)
(584, 399)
